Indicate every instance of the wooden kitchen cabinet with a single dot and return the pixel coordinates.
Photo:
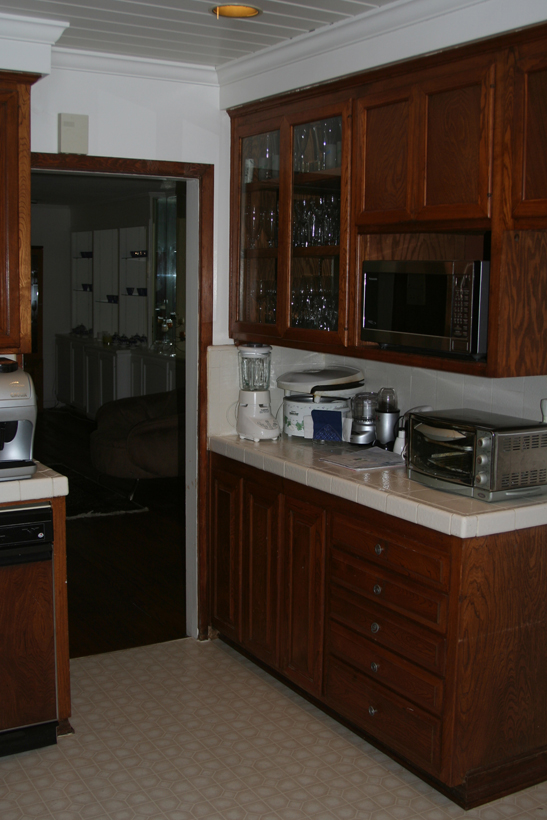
(527, 101)
(267, 570)
(303, 572)
(430, 646)
(423, 149)
(259, 569)
(15, 212)
(290, 224)
(448, 148)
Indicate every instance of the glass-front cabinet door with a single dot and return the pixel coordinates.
(259, 229)
(290, 197)
(316, 215)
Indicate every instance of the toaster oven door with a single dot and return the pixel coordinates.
(445, 453)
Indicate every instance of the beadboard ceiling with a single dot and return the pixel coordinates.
(185, 31)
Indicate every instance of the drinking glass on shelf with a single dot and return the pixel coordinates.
(269, 226)
(300, 142)
(253, 226)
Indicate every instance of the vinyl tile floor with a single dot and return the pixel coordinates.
(193, 731)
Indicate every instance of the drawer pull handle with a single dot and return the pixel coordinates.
(378, 549)
(374, 628)
(374, 666)
(377, 589)
(372, 711)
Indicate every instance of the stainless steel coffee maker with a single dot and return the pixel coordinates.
(387, 416)
(363, 428)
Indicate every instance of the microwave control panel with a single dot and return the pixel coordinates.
(462, 305)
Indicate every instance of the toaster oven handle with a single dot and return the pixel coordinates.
(438, 433)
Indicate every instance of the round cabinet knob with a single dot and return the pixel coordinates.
(374, 628)
(482, 460)
(374, 666)
(481, 478)
(378, 549)
(372, 711)
(377, 589)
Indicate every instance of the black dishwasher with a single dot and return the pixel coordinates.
(28, 702)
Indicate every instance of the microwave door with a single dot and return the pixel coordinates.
(444, 453)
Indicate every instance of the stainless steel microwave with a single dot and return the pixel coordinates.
(438, 307)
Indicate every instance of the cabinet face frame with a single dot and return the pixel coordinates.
(285, 123)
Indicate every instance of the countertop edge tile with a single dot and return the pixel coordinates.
(453, 514)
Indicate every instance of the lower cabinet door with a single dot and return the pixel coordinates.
(303, 581)
(225, 552)
(27, 645)
(260, 588)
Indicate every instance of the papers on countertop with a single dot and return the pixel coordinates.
(373, 458)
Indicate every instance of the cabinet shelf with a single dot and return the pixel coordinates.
(261, 185)
(260, 253)
(315, 251)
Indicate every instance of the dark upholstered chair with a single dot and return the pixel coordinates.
(141, 437)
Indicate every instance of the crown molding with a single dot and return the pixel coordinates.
(96, 62)
(398, 31)
(25, 42)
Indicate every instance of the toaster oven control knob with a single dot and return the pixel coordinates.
(481, 478)
(482, 460)
(484, 443)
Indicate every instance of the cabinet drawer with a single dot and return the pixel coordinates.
(410, 559)
(389, 718)
(386, 668)
(395, 632)
(388, 589)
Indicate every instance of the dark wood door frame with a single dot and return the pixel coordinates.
(205, 176)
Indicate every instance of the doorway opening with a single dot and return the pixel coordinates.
(165, 326)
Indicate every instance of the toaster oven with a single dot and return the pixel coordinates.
(478, 454)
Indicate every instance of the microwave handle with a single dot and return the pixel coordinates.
(438, 433)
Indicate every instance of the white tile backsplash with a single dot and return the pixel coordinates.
(415, 386)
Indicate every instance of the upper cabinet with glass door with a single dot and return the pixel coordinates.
(316, 194)
(289, 241)
(259, 229)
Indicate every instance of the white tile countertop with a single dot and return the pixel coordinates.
(45, 483)
(387, 490)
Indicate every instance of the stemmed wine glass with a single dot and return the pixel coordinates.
(300, 142)
(253, 225)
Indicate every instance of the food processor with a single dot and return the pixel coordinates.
(363, 428)
(254, 418)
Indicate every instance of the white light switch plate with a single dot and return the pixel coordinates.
(73, 133)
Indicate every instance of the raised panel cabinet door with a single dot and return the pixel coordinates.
(15, 253)
(27, 645)
(261, 505)
(530, 132)
(454, 162)
(383, 151)
(225, 552)
(303, 580)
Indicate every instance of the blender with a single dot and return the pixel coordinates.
(254, 418)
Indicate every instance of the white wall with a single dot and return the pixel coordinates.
(142, 117)
(50, 227)
(415, 386)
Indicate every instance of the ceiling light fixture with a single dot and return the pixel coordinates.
(235, 10)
